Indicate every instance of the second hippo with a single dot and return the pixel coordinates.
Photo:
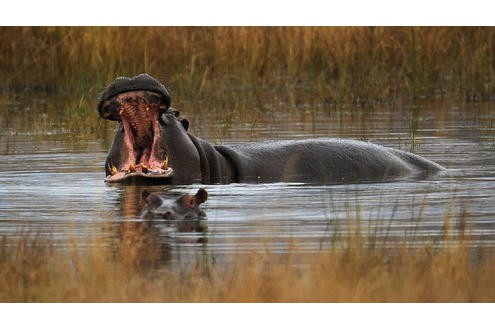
(182, 213)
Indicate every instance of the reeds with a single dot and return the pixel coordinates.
(34, 271)
(238, 71)
(329, 64)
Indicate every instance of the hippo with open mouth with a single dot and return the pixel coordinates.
(152, 143)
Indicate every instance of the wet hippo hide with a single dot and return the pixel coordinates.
(167, 207)
(323, 160)
(152, 143)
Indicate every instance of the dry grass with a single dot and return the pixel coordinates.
(237, 71)
(36, 272)
(321, 63)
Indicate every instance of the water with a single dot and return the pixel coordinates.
(52, 184)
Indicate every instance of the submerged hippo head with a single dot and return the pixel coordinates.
(183, 208)
(148, 127)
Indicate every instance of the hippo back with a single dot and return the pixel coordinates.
(323, 161)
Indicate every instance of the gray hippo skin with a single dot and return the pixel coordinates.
(182, 213)
(152, 144)
(185, 207)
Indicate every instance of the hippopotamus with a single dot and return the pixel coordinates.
(182, 214)
(152, 143)
(185, 207)
(149, 237)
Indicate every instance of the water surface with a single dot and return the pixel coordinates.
(52, 183)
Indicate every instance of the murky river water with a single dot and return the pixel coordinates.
(51, 183)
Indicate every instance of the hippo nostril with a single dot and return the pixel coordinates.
(110, 110)
(152, 98)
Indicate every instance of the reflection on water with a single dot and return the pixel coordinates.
(53, 185)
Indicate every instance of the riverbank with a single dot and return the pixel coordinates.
(34, 271)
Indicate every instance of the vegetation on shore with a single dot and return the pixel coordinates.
(217, 65)
(240, 70)
(34, 271)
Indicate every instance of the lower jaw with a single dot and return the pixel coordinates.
(124, 176)
(148, 167)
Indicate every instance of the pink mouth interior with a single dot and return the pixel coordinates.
(122, 176)
(141, 139)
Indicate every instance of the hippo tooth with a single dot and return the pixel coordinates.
(132, 168)
(165, 163)
(121, 111)
(113, 170)
(144, 168)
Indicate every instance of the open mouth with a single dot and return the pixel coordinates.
(142, 156)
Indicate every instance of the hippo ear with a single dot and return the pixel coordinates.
(185, 123)
(201, 196)
(188, 202)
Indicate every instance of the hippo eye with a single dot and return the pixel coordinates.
(167, 215)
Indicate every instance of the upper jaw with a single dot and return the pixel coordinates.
(126, 84)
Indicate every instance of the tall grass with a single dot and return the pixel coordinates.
(324, 64)
(34, 271)
(244, 72)
(244, 69)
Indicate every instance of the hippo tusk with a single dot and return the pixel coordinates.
(164, 165)
(113, 170)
